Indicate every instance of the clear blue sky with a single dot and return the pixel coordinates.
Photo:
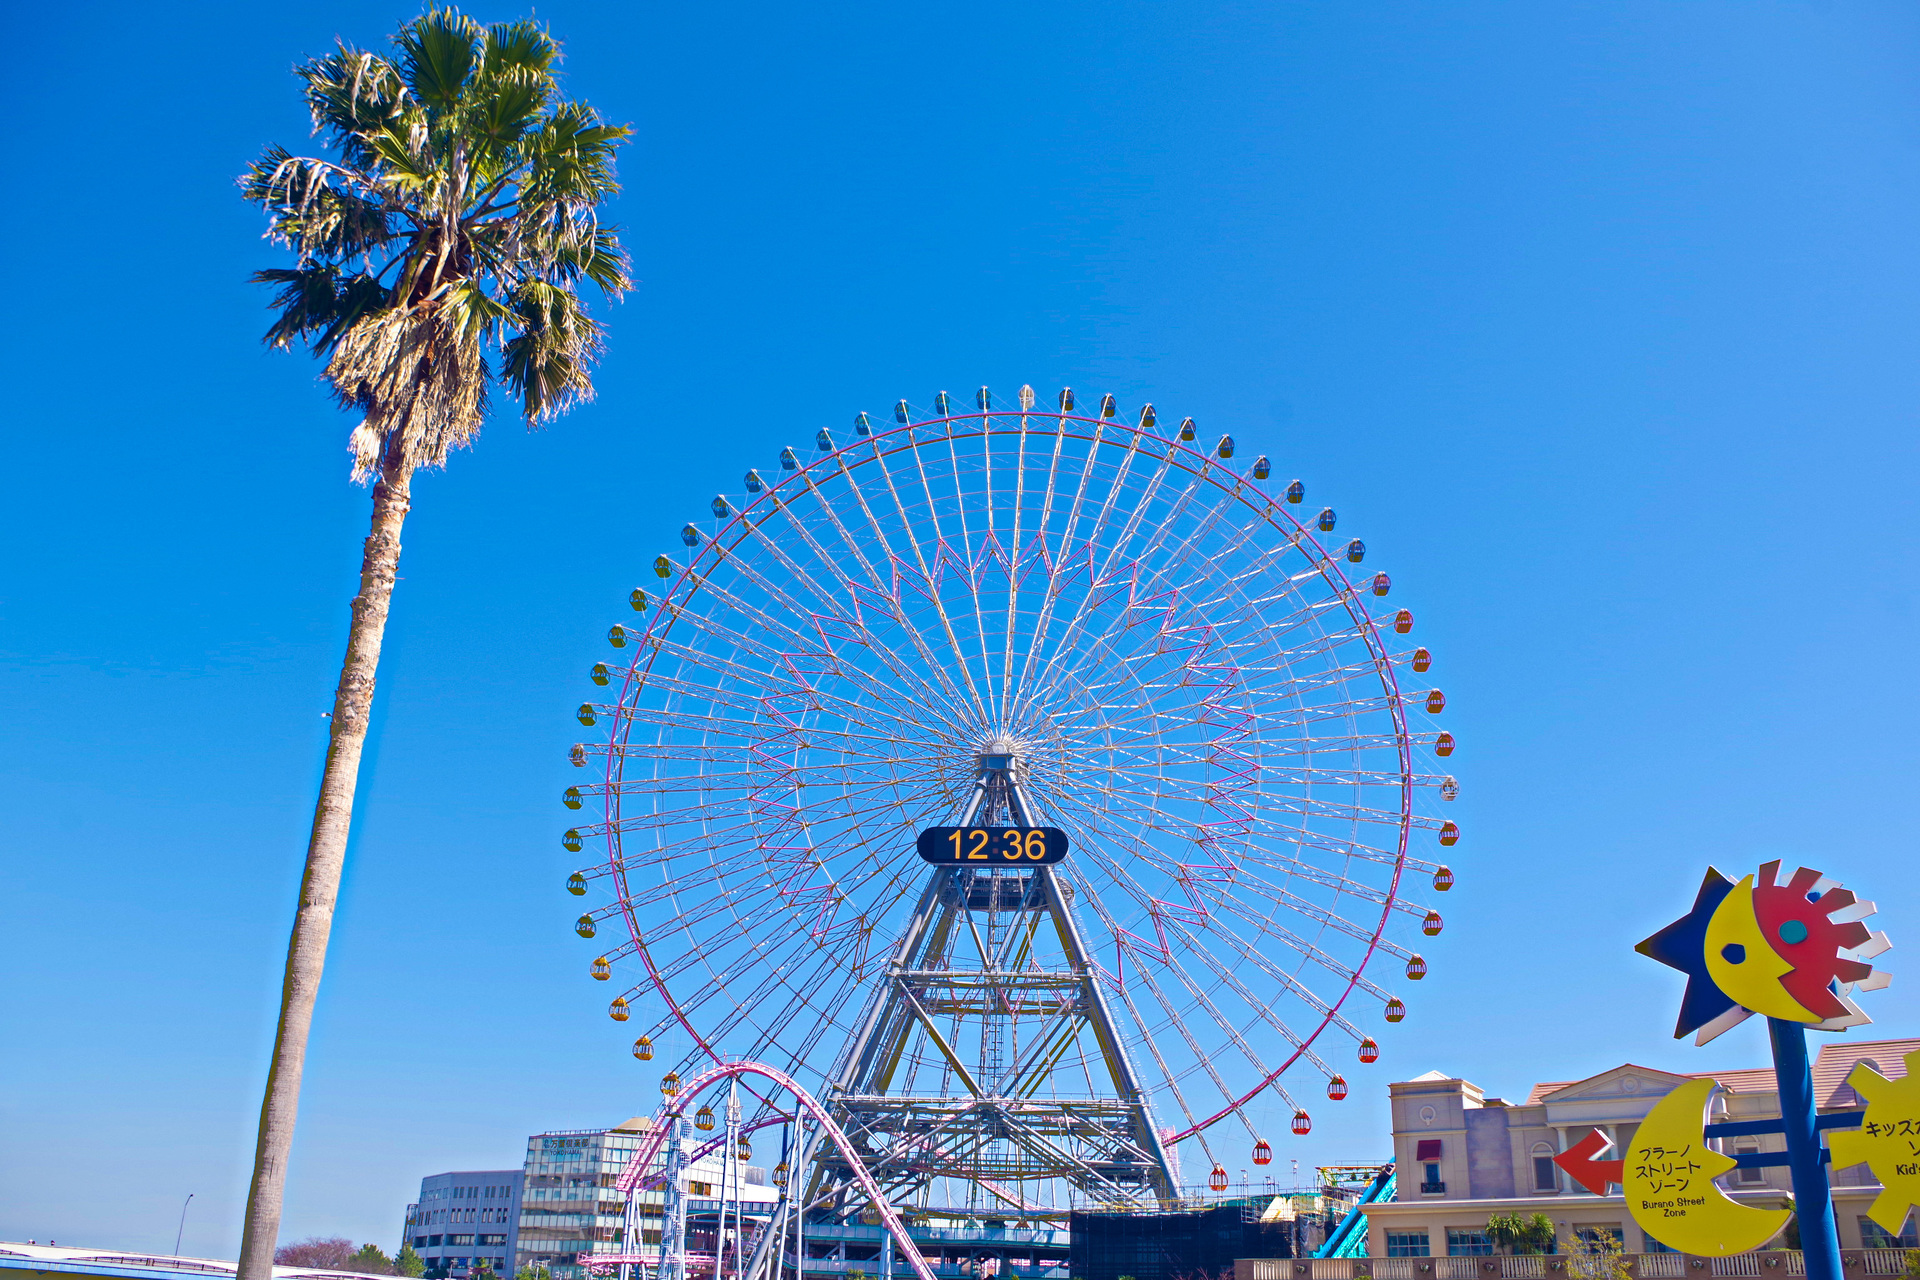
(1596, 321)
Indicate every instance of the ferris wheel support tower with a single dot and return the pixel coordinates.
(969, 959)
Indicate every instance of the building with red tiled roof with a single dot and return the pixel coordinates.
(1830, 1070)
(1464, 1156)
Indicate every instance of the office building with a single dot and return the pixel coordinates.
(465, 1219)
(570, 1205)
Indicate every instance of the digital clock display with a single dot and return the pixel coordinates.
(993, 846)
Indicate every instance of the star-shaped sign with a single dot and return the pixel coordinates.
(1682, 945)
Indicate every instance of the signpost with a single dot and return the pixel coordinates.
(1795, 953)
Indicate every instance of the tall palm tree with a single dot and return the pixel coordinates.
(455, 215)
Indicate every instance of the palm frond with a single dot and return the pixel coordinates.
(318, 303)
(456, 209)
(600, 259)
(573, 157)
(519, 46)
(307, 299)
(318, 208)
(438, 54)
(352, 94)
(547, 364)
(510, 104)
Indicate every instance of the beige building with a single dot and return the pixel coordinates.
(1463, 1156)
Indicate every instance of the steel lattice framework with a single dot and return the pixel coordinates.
(1114, 630)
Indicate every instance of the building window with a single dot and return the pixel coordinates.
(1406, 1244)
(1654, 1246)
(1430, 1183)
(699, 1188)
(1546, 1176)
(1468, 1242)
(1749, 1177)
(1875, 1236)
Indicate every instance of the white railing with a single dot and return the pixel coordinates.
(1774, 1264)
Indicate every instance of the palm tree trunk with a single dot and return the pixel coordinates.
(326, 856)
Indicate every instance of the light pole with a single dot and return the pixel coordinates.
(183, 1224)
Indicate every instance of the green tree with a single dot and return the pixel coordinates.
(454, 215)
(531, 1272)
(1518, 1235)
(371, 1259)
(408, 1263)
(1598, 1255)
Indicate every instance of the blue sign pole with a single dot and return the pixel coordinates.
(1806, 1159)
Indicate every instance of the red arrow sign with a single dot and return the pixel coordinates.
(1578, 1160)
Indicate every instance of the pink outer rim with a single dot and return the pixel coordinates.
(1349, 596)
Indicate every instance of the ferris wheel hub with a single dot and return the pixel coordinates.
(998, 755)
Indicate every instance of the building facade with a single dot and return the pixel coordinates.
(570, 1205)
(1464, 1156)
(463, 1220)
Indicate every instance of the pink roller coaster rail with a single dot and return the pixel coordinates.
(664, 1125)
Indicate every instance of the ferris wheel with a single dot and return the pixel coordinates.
(1017, 619)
